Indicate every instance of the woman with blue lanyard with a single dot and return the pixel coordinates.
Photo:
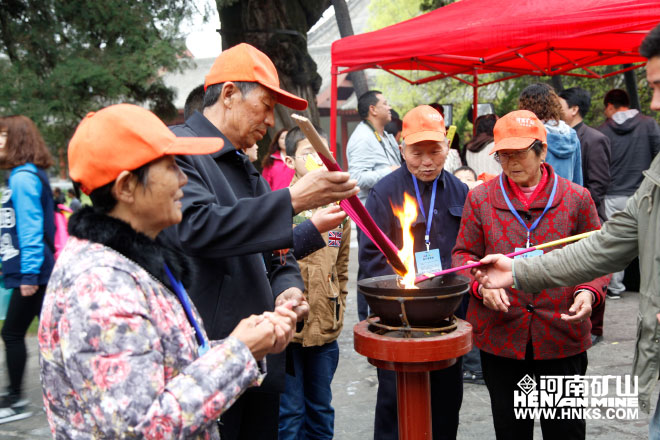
(123, 350)
(527, 334)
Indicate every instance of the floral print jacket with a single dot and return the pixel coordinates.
(119, 358)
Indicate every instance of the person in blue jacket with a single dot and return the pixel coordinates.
(27, 232)
(564, 153)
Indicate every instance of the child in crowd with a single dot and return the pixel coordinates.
(467, 176)
(305, 405)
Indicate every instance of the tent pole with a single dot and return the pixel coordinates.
(475, 103)
(333, 112)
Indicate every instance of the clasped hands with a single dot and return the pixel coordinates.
(271, 332)
(498, 268)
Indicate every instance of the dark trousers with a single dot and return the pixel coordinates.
(253, 416)
(362, 306)
(446, 399)
(306, 410)
(21, 312)
(472, 360)
(597, 317)
(502, 376)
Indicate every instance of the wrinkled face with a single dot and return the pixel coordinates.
(522, 166)
(251, 115)
(158, 205)
(381, 111)
(653, 78)
(426, 159)
(304, 152)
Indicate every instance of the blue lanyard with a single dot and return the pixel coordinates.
(185, 302)
(517, 216)
(429, 219)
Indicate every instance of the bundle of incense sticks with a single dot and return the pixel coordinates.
(352, 206)
(428, 276)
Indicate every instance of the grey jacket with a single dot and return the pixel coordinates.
(368, 159)
(626, 234)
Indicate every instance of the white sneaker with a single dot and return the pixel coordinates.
(11, 414)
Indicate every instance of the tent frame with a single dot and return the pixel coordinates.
(474, 66)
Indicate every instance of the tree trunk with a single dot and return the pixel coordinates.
(557, 83)
(631, 87)
(358, 78)
(279, 29)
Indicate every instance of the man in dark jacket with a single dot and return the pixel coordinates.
(425, 149)
(575, 104)
(634, 140)
(232, 222)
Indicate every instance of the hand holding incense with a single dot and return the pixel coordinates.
(428, 276)
(352, 205)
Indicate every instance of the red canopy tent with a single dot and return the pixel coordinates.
(519, 37)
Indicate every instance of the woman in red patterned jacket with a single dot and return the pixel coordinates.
(527, 333)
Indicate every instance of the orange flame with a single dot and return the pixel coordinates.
(407, 216)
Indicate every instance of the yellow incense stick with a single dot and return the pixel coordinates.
(564, 240)
(450, 134)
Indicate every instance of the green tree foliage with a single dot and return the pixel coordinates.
(429, 5)
(60, 59)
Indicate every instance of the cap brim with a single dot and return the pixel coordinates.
(424, 136)
(287, 99)
(513, 143)
(195, 145)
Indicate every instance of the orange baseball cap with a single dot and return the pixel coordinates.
(518, 130)
(244, 62)
(124, 137)
(423, 123)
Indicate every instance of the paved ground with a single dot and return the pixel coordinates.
(355, 384)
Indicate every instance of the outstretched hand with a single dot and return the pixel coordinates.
(495, 271)
(321, 187)
(327, 219)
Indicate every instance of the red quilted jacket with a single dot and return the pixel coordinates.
(488, 227)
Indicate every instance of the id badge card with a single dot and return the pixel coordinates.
(531, 254)
(428, 261)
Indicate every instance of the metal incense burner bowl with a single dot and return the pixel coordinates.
(431, 305)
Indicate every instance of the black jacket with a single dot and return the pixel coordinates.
(388, 192)
(231, 223)
(634, 144)
(595, 164)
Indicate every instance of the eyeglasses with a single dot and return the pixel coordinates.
(518, 155)
(306, 155)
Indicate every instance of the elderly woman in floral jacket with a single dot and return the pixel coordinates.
(524, 333)
(123, 350)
